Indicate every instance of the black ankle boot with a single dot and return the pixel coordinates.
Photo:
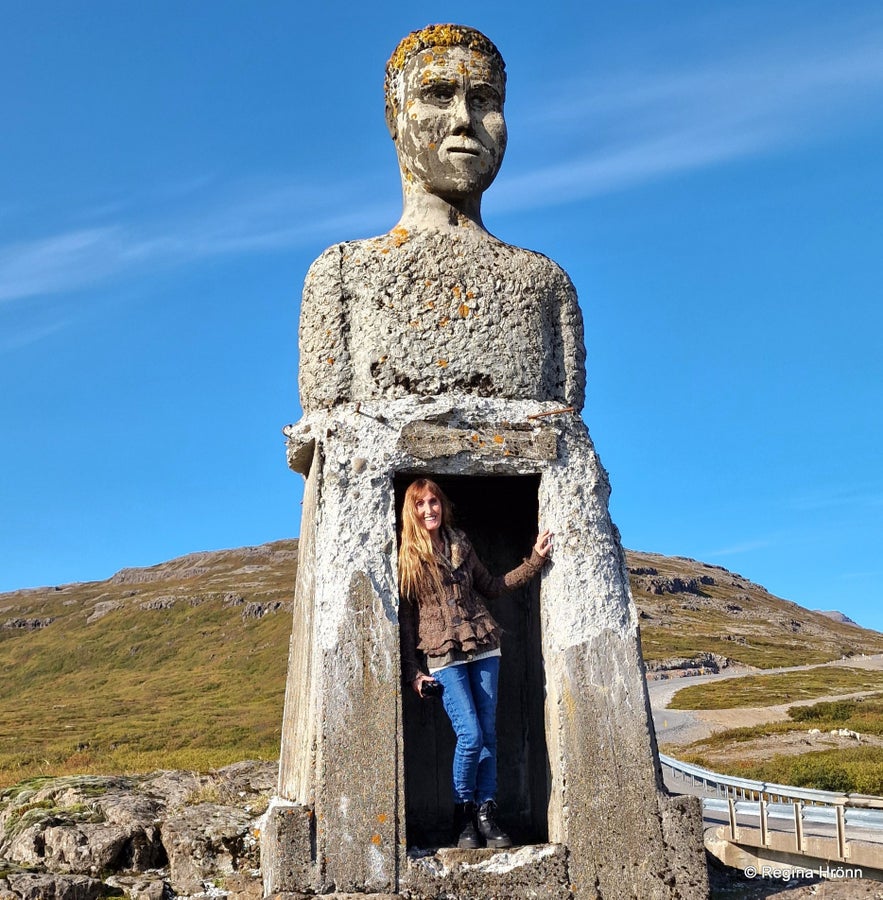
(487, 826)
(465, 833)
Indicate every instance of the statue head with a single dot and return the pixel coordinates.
(445, 87)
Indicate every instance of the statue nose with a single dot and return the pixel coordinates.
(460, 115)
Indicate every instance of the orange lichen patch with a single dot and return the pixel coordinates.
(432, 145)
(414, 323)
(399, 235)
(443, 322)
(443, 364)
(507, 452)
(375, 838)
(475, 437)
(385, 250)
(437, 37)
(382, 818)
(463, 310)
(457, 291)
(430, 304)
(330, 360)
(498, 438)
(470, 295)
(428, 283)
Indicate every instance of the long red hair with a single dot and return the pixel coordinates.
(418, 562)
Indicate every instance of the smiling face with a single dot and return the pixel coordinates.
(429, 510)
(449, 128)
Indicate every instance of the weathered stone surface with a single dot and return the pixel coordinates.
(287, 859)
(139, 887)
(28, 886)
(118, 827)
(606, 804)
(426, 440)
(438, 314)
(206, 841)
(531, 873)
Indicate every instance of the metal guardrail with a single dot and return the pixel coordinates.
(784, 808)
(748, 789)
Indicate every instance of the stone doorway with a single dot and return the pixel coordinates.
(499, 513)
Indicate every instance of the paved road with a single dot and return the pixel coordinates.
(682, 726)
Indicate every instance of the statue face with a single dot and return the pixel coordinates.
(450, 131)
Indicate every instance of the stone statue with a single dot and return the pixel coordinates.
(438, 305)
(439, 351)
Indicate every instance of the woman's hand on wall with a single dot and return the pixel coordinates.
(543, 546)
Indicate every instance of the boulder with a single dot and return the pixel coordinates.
(206, 841)
(34, 886)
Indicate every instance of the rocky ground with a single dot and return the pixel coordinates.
(183, 835)
(149, 837)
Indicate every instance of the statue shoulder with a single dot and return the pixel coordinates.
(549, 270)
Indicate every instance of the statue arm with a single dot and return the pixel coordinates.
(573, 347)
(324, 374)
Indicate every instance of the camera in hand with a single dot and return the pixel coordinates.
(431, 689)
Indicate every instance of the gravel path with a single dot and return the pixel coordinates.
(683, 726)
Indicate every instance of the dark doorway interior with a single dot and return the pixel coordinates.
(499, 514)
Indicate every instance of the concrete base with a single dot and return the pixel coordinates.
(538, 872)
(579, 771)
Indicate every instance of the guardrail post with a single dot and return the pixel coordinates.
(764, 824)
(841, 832)
(731, 803)
(798, 826)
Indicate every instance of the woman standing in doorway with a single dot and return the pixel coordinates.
(443, 618)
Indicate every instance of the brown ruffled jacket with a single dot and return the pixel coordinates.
(456, 620)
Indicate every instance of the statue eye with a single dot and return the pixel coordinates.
(484, 98)
(440, 92)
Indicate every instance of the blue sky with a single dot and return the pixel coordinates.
(710, 175)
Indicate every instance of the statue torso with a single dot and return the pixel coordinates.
(434, 313)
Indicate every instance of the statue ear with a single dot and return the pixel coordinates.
(391, 120)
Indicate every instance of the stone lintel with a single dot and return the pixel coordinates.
(427, 440)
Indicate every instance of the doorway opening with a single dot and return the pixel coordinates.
(499, 515)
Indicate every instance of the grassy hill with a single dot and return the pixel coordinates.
(182, 665)
(688, 608)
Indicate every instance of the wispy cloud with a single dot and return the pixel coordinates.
(271, 217)
(833, 496)
(646, 126)
(735, 549)
(15, 340)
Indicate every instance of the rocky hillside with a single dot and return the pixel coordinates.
(693, 611)
(182, 665)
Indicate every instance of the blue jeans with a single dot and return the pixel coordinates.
(470, 700)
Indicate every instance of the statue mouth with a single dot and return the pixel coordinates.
(468, 148)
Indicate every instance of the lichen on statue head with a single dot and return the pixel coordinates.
(445, 91)
(427, 38)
